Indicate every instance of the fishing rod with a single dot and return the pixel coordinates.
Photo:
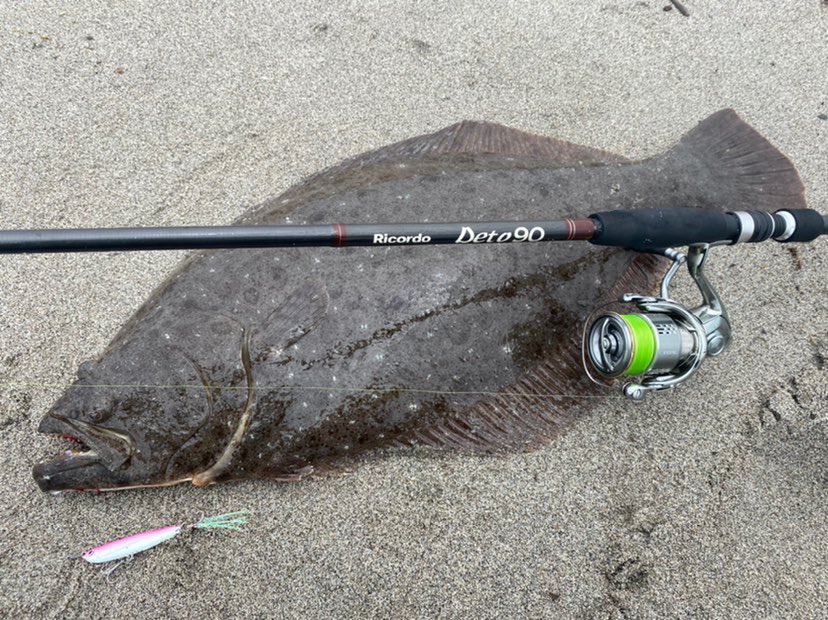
(662, 344)
(640, 229)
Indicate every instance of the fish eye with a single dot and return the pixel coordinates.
(100, 415)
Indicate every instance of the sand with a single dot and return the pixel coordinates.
(709, 502)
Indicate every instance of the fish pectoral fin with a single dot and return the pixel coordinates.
(296, 315)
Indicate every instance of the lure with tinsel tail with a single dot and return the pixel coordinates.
(130, 545)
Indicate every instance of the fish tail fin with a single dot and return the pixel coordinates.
(745, 167)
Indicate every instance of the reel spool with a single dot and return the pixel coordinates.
(640, 344)
(664, 342)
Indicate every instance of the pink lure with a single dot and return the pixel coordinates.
(125, 547)
(130, 545)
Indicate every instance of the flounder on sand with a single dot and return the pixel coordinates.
(280, 364)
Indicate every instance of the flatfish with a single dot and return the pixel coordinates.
(284, 363)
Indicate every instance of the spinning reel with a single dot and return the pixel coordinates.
(665, 342)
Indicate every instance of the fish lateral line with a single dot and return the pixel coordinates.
(309, 388)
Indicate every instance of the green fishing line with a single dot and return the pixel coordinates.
(644, 344)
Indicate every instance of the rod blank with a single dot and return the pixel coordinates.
(337, 235)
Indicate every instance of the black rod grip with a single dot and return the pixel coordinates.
(652, 229)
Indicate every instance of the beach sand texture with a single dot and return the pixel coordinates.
(708, 502)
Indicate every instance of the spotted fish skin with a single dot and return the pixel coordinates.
(283, 363)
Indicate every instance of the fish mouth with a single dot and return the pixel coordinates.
(96, 460)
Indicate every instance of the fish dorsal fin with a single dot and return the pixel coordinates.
(467, 145)
(481, 137)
